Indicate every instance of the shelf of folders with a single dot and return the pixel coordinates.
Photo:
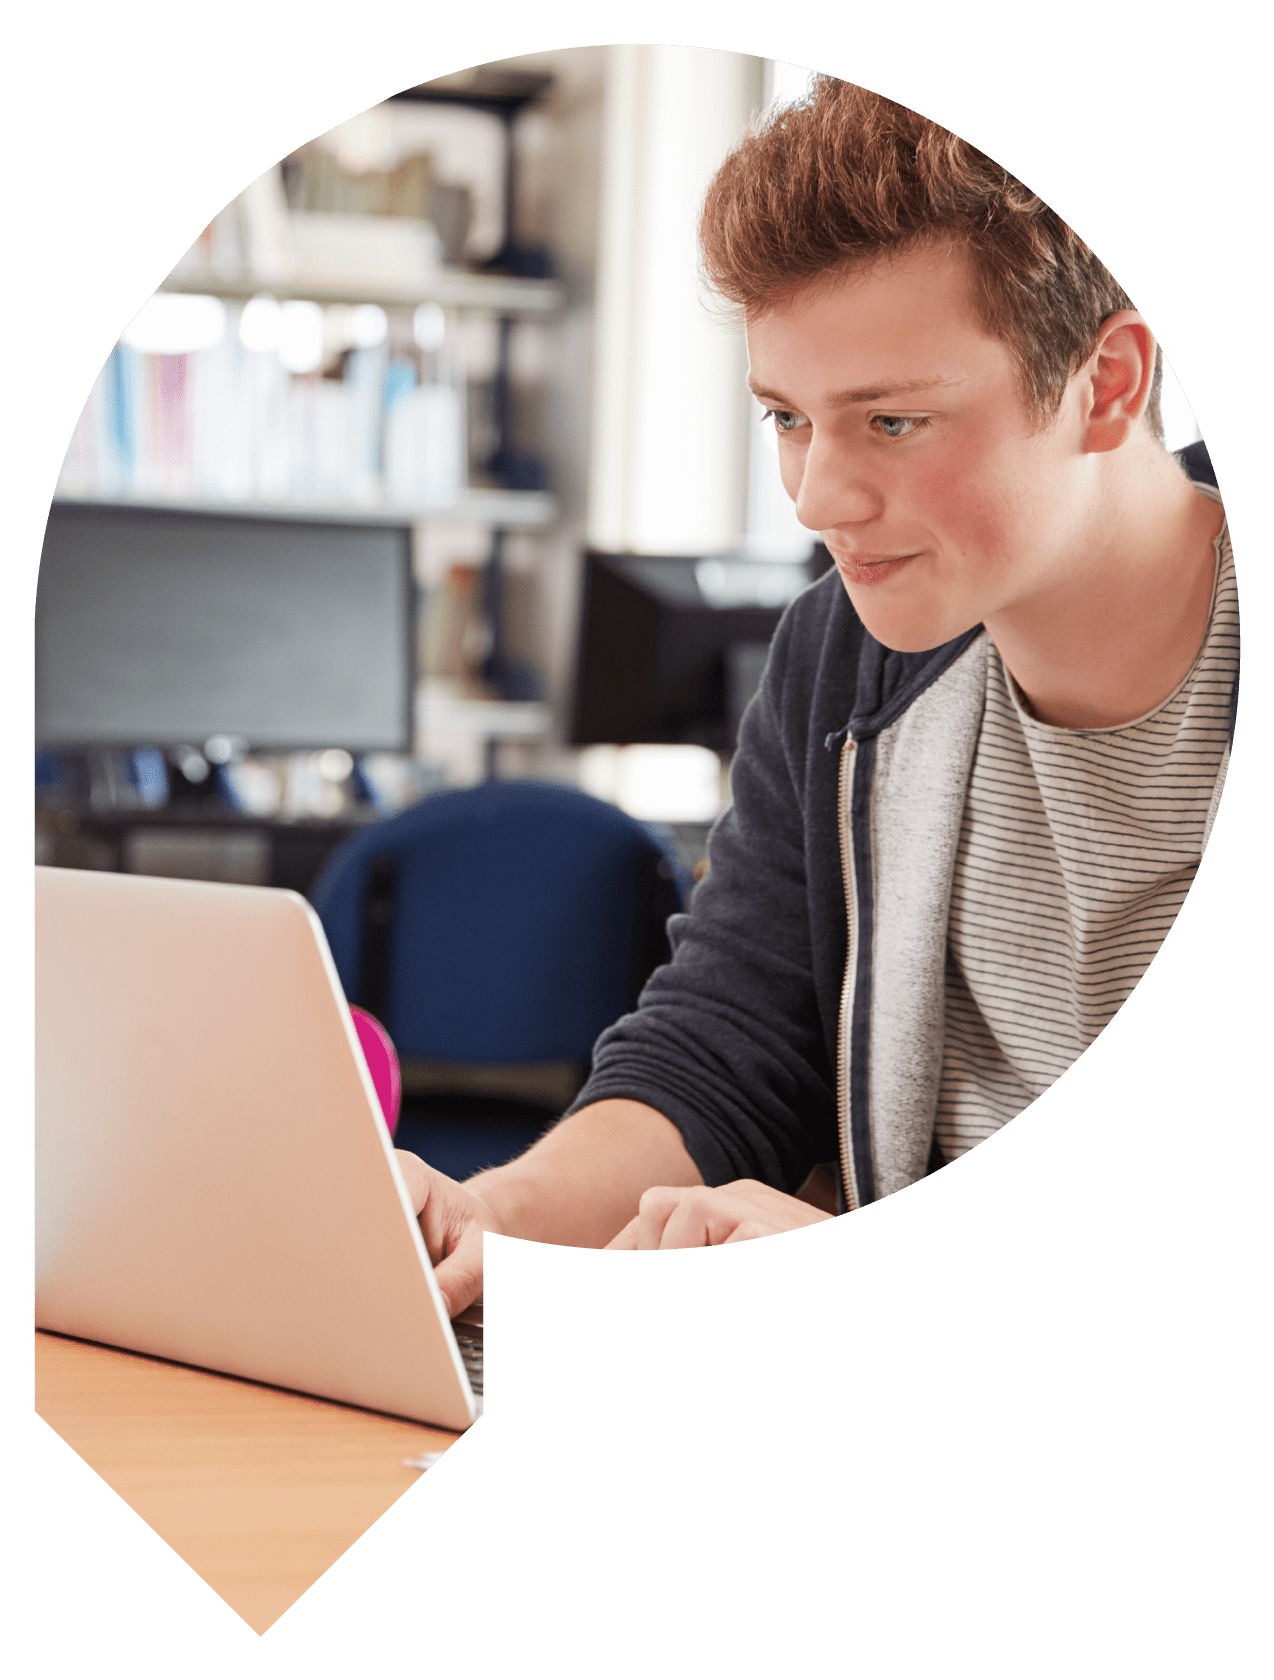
(308, 397)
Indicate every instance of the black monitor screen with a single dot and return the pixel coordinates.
(161, 628)
(672, 648)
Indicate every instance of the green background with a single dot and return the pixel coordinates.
(999, 1425)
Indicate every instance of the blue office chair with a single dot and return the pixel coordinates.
(497, 927)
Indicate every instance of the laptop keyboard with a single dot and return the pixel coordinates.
(469, 1341)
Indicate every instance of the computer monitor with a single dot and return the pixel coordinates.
(164, 628)
(671, 648)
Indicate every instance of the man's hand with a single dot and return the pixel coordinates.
(699, 1217)
(452, 1221)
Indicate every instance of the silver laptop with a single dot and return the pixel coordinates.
(214, 1182)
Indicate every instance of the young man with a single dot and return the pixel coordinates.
(978, 778)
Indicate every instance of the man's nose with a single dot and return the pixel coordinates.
(835, 488)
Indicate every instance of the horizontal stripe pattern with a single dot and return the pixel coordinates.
(1076, 852)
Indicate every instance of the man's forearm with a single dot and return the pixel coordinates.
(581, 1183)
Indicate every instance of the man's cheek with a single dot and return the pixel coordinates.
(973, 515)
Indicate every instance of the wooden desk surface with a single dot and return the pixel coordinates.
(257, 1489)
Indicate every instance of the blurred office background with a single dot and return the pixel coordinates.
(427, 464)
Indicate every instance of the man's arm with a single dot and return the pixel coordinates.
(582, 1182)
(615, 1174)
(580, 1185)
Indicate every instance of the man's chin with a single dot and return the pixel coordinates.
(903, 627)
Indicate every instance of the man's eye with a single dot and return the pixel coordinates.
(897, 425)
(784, 418)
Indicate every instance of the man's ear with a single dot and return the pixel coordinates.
(1116, 380)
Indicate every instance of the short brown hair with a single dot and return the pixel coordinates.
(845, 176)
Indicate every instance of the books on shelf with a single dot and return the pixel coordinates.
(423, 446)
(232, 424)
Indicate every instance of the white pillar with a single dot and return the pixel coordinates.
(670, 409)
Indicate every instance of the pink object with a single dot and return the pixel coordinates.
(382, 1063)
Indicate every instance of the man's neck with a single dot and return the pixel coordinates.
(1117, 638)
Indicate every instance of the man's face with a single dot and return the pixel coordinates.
(904, 441)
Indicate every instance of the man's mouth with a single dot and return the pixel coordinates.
(869, 568)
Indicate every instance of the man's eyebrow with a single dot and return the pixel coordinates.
(863, 393)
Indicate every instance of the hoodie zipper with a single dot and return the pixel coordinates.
(851, 968)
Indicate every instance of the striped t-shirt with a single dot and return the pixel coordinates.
(1077, 849)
